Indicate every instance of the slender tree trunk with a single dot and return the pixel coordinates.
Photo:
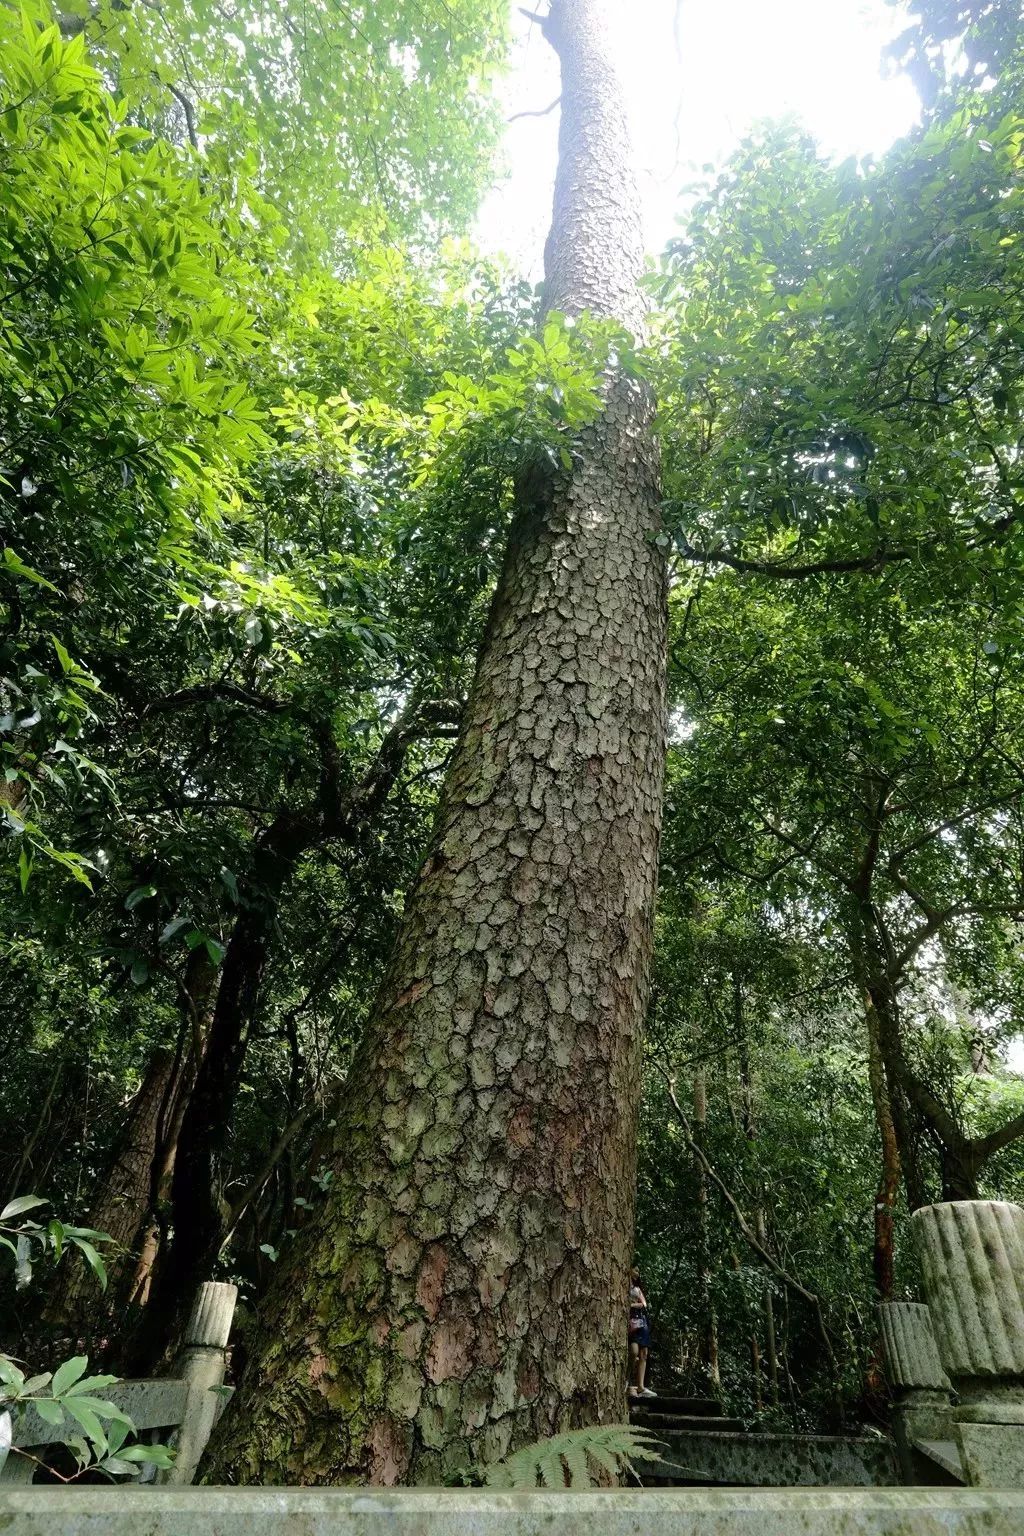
(122, 1200)
(760, 1224)
(886, 1078)
(771, 1353)
(173, 1113)
(40, 1125)
(709, 1321)
(889, 1179)
(195, 1207)
(464, 1288)
(198, 994)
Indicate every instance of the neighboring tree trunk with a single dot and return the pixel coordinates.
(196, 1210)
(198, 1214)
(962, 1157)
(889, 1179)
(886, 1077)
(198, 994)
(463, 1289)
(203, 1125)
(122, 1201)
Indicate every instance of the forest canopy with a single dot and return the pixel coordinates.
(272, 433)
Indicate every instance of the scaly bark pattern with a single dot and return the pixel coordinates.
(465, 1289)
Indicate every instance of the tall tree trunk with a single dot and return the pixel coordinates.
(463, 1289)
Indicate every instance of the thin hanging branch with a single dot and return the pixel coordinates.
(746, 1231)
(538, 112)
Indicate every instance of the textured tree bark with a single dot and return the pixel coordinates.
(464, 1288)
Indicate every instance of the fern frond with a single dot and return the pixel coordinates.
(565, 1461)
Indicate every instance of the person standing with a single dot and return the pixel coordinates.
(639, 1337)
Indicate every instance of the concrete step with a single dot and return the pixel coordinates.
(692, 1423)
(694, 1407)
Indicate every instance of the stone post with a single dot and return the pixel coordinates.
(920, 1387)
(201, 1364)
(972, 1265)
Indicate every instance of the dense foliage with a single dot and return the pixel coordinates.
(261, 414)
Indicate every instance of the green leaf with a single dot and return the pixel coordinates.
(63, 656)
(17, 567)
(172, 929)
(20, 1205)
(93, 1259)
(155, 1455)
(84, 1415)
(67, 1374)
(117, 1466)
(91, 1384)
(117, 1433)
(10, 1375)
(98, 1406)
(36, 1383)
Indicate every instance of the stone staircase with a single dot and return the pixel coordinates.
(704, 1448)
(677, 1413)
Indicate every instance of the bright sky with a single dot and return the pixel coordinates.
(698, 74)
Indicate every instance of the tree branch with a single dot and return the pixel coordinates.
(986, 1146)
(216, 693)
(541, 112)
(189, 111)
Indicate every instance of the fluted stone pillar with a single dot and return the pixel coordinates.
(972, 1269)
(920, 1387)
(202, 1363)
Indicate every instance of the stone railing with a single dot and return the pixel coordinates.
(180, 1410)
(479, 1512)
(920, 1387)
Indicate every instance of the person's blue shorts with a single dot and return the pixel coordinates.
(641, 1336)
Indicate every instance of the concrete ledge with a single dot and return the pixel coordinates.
(476, 1512)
